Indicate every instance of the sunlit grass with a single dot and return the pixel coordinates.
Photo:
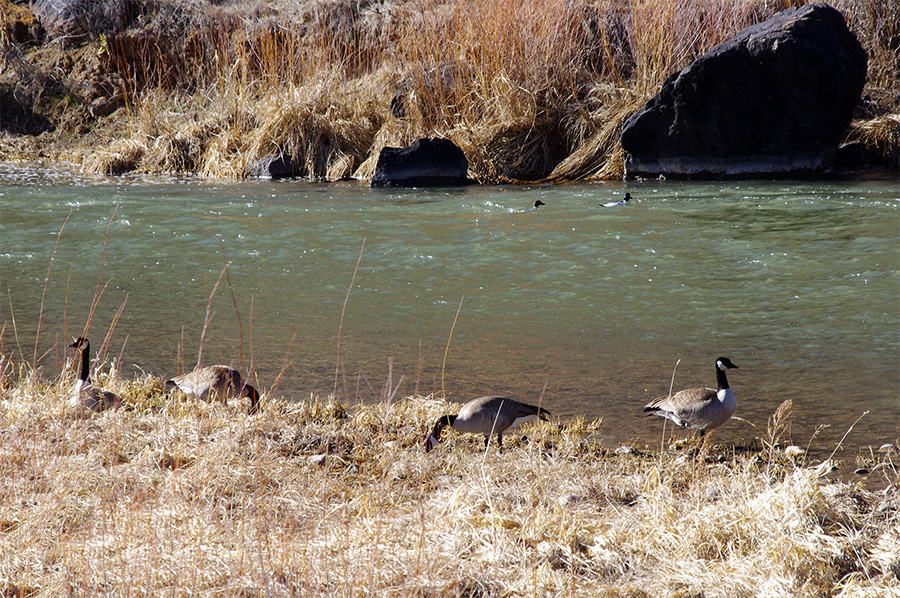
(530, 91)
(171, 496)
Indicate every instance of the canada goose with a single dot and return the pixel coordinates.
(486, 415)
(84, 394)
(215, 381)
(622, 202)
(700, 408)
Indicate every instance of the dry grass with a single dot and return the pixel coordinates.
(533, 91)
(176, 497)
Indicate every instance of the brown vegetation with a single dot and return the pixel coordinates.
(174, 496)
(529, 91)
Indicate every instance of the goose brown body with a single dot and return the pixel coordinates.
(486, 415)
(85, 395)
(215, 382)
(700, 408)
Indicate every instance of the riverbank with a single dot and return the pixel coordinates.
(534, 92)
(172, 495)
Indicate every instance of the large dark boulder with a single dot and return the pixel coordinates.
(774, 100)
(425, 163)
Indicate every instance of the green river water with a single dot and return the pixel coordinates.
(797, 282)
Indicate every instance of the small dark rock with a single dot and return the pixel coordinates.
(855, 157)
(425, 163)
(18, 117)
(274, 166)
(106, 106)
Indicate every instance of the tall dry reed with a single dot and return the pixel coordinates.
(173, 496)
(529, 91)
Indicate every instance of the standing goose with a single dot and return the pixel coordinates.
(700, 408)
(486, 415)
(215, 381)
(84, 394)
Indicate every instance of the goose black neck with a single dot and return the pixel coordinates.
(721, 379)
(441, 423)
(85, 361)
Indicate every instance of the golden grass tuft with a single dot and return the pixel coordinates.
(881, 136)
(122, 156)
(172, 495)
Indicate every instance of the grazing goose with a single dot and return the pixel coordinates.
(622, 202)
(215, 381)
(84, 394)
(485, 415)
(700, 408)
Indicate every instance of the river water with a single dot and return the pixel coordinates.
(796, 282)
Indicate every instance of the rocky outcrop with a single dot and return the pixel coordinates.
(72, 21)
(425, 163)
(775, 99)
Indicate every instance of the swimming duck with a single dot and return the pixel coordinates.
(537, 203)
(622, 202)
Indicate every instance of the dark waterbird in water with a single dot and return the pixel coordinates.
(486, 415)
(537, 203)
(622, 202)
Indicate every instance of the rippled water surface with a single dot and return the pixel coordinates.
(797, 282)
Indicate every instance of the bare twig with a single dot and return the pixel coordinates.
(237, 312)
(66, 306)
(662, 442)
(337, 367)
(101, 352)
(98, 292)
(37, 336)
(447, 349)
(284, 364)
(419, 369)
(250, 326)
(844, 437)
(209, 316)
(12, 316)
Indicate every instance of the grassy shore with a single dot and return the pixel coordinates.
(176, 497)
(530, 91)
